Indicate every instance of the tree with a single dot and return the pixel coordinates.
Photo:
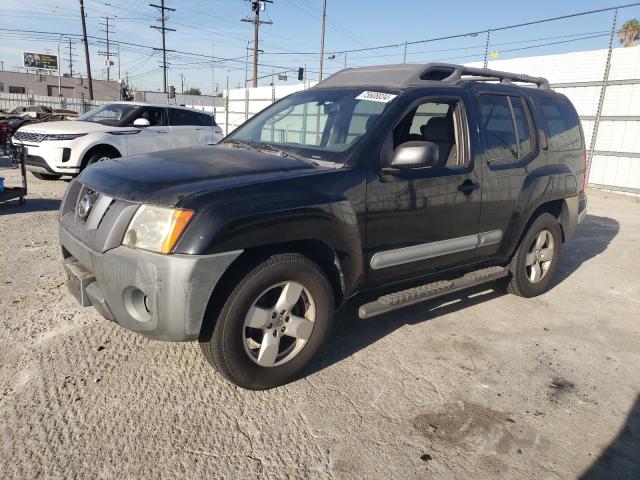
(192, 91)
(630, 32)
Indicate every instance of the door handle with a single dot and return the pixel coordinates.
(468, 186)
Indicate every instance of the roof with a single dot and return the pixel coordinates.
(159, 105)
(409, 75)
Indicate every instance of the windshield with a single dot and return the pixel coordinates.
(109, 114)
(321, 124)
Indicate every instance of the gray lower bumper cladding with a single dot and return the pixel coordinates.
(163, 297)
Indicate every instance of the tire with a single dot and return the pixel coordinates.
(97, 156)
(245, 355)
(540, 248)
(45, 176)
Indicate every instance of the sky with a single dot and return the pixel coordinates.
(210, 41)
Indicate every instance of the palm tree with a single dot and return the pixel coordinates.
(630, 32)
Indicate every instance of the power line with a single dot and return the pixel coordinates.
(466, 34)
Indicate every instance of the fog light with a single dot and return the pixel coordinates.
(66, 154)
(138, 304)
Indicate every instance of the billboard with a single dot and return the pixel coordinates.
(44, 61)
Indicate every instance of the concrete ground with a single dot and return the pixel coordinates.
(481, 386)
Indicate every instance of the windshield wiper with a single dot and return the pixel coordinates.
(238, 143)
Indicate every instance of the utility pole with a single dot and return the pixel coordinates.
(86, 49)
(181, 82)
(163, 29)
(256, 7)
(246, 66)
(108, 53)
(213, 67)
(70, 58)
(324, 22)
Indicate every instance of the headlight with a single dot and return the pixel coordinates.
(64, 136)
(156, 228)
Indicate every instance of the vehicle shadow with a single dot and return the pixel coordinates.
(592, 237)
(621, 459)
(351, 334)
(31, 205)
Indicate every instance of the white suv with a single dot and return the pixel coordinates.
(109, 131)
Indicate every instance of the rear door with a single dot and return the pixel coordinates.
(426, 219)
(189, 128)
(156, 137)
(511, 152)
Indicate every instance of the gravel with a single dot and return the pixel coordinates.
(476, 385)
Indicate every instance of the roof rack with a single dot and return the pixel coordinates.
(405, 75)
(455, 74)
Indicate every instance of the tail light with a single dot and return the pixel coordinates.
(584, 177)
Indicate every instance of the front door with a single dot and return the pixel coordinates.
(423, 220)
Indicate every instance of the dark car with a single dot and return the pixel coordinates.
(417, 179)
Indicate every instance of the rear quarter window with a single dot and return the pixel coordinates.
(563, 124)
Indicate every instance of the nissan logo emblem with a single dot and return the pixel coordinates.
(85, 204)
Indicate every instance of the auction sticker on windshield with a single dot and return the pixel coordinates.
(376, 96)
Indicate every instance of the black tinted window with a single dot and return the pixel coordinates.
(184, 117)
(562, 123)
(498, 128)
(506, 127)
(206, 120)
(522, 125)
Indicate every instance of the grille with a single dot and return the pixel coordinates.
(29, 137)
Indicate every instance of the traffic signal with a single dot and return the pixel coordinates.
(300, 73)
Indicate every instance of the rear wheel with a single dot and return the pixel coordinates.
(536, 260)
(272, 323)
(45, 176)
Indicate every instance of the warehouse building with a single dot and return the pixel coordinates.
(42, 84)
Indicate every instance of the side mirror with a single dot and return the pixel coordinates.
(141, 122)
(414, 155)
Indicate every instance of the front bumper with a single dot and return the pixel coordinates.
(163, 297)
(50, 157)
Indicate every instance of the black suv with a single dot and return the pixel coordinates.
(378, 177)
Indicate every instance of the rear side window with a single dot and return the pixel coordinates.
(506, 127)
(179, 117)
(206, 120)
(562, 122)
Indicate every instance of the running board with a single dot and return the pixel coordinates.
(411, 296)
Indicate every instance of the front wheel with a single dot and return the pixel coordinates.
(536, 260)
(98, 156)
(273, 323)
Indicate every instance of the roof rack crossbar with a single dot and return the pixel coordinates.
(458, 71)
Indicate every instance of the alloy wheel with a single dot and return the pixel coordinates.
(278, 324)
(539, 256)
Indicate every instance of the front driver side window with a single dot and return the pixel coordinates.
(155, 115)
(436, 122)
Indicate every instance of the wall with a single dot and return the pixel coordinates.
(11, 100)
(578, 75)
